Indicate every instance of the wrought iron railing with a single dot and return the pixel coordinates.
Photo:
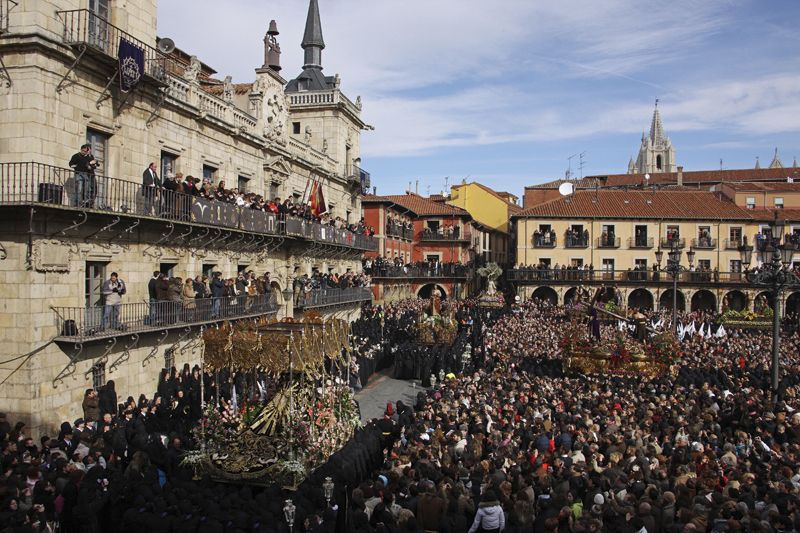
(607, 242)
(79, 324)
(5, 7)
(449, 233)
(732, 244)
(319, 297)
(673, 242)
(394, 230)
(550, 275)
(640, 242)
(576, 241)
(355, 173)
(36, 183)
(445, 270)
(704, 243)
(83, 27)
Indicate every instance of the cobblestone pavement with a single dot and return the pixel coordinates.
(383, 388)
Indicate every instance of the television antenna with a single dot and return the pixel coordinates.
(569, 166)
(582, 163)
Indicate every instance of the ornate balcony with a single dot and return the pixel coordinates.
(704, 243)
(677, 242)
(49, 186)
(448, 234)
(607, 242)
(640, 242)
(323, 298)
(445, 270)
(81, 324)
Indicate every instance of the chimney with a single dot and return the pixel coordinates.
(417, 191)
(596, 189)
(375, 191)
(680, 176)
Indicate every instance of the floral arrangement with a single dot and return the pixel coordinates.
(219, 428)
(664, 346)
(574, 341)
(610, 305)
(437, 329)
(318, 430)
(620, 352)
(745, 318)
(580, 306)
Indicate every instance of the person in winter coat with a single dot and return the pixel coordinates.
(490, 517)
(90, 405)
(430, 509)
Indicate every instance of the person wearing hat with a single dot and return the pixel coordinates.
(490, 517)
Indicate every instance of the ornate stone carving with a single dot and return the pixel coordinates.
(51, 256)
(324, 146)
(275, 112)
(190, 73)
(358, 102)
(308, 134)
(227, 89)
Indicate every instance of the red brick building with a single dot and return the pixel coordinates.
(434, 241)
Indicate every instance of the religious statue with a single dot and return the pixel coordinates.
(308, 134)
(227, 89)
(190, 72)
(491, 272)
(436, 301)
(324, 146)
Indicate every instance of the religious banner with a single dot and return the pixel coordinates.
(131, 65)
(202, 211)
(253, 220)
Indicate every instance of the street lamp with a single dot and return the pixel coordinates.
(674, 269)
(774, 273)
(289, 513)
(327, 488)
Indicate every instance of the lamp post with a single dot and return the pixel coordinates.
(289, 513)
(774, 273)
(327, 488)
(674, 269)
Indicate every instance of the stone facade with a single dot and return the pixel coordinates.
(656, 155)
(58, 99)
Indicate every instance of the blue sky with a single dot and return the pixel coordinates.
(504, 93)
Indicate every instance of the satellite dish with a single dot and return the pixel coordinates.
(647, 176)
(565, 189)
(166, 46)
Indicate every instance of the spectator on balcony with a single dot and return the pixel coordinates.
(188, 296)
(217, 293)
(170, 192)
(113, 290)
(84, 163)
(151, 186)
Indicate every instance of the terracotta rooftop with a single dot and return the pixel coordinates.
(419, 205)
(765, 215)
(584, 183)
(702, 176)
(638, 204)
(762, 186)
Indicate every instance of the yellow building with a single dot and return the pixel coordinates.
(493, 211)
(610, 237)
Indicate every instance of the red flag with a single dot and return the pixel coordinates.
(317, 200)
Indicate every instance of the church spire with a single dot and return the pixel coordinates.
(656, 129)
(313, 43)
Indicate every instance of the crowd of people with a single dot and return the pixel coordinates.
(508, 442)
(383, 267)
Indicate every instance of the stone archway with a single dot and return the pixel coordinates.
(276, 290)
(546, 293)
(665, 301)
(640, 298)
(737, 300)
(793, 304)
(704, 300)
(425, 291)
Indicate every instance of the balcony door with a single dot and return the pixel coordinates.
(608, 269)
(98, 26)
(93, 294)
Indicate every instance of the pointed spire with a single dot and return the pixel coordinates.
(656, 129)
(795, 162)
(776, 162)
(313, 44)
(758, 164)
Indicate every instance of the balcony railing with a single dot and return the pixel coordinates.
(732, 244)
(607, 242)
(78, 324)
(5, 7)
(35, 183)
(572, 241)
(676, 242)
(454, 233)
(704, 243)
(640, 242)
(321, 298)
(83, 27)
(541, 276)
(356, 173)
(393, 230)
(763, 242)
(445, 270)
